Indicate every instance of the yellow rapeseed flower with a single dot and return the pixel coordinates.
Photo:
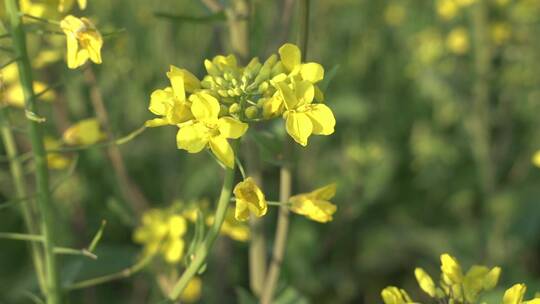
(515, 294)
(171, 102)
(315, 205)
(207, 129)
(249, 199)
(14, 95)
(536, 159)
(84, 132)
(447, 9)
(303, 117)
(291, 59)
(55, 161)
(162, 232)
(192, 292)
(83, 41)
(458, 41)
(232, 227)
(394, 295)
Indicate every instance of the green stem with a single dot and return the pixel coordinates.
(21, 236)
(36, 139)
(204, 249)
(113, 276)
(280, 240)
(17, 174)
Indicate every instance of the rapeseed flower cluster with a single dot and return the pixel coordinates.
(220, 107)
(456, 286)
(161, 232)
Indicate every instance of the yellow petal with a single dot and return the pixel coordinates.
(161, 101)
(174, 250)
(156, 122)
(312, 72)
(249, 196)
(324, 193)
(290, 56)
(82, 4)
(204, 106)
(177, 226)
(84, 132)
(305, 92)
(425, 281)
(451, 269)
(74, 59)
(192, 138)
(322, 118)
(190, 82)
(288, 95)
(232, 128)
(222, 150)
(299, 127)
(514, 295)
(241, 212)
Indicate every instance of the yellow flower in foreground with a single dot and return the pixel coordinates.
(394, 295)
(536, 159)
(291, 59)
(249, 199)
(55, 161)
(162, 232)
(315, 205)
(83, 41)
(192, 293)
(84, 132)
(303, 117)
(171, 102)
(206, 129)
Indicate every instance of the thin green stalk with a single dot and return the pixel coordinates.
(280, 240)
(135, 268)
(21, 236)
(257, 243)
(17, 174)
(205, 247)
(40, 160)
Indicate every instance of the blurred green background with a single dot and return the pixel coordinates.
(437, 121)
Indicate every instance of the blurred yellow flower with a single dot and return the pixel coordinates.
(55, 161)
(162, 232)
(394, 14)
(206, 129)
(457, 41)
(83, 41)
(536, 159)
(232, 228)
(447, 9)
(500, 33)
(249, 199)
(84, 132)
(192, 293)
(394, 295)
(171, 102)
(14, 95)
(315, 205)
(303, 117)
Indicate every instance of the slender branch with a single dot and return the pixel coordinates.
(43, 20)
(125, 273)
(73, 251)
(38, 148)
(129, 189)
(21, 236)
(280, 241)
(13, 60)
(205, 247)
(27, 210)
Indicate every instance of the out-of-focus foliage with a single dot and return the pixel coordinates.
(404, 152)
